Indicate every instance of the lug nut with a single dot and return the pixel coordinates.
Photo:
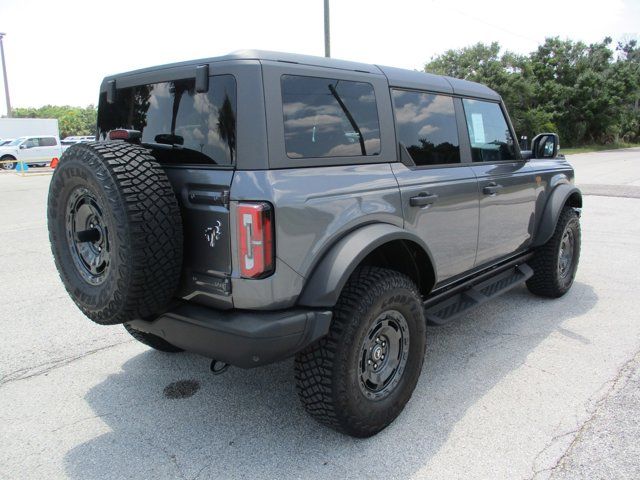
(375, 365)
(369, 362)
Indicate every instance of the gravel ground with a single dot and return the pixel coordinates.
(521, 387)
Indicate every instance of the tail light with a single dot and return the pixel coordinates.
(255, 239)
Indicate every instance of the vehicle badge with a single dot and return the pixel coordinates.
(212, 234)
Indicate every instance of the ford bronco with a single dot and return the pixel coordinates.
(259, 206)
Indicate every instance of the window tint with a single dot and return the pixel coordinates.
(490, 137)
(178, 124)
(32, 142)
(427, 127)
(324, 117)
(47, 142)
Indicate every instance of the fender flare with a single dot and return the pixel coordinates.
(329, 276)
(556, 202)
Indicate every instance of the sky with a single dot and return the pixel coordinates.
(58, 51)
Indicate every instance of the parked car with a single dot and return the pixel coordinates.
(5, 141)
(260, 205)
(68, 141)
(33, 150)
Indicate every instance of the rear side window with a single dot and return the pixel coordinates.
(178, 124)
(491, 139)
(325, 117)
(48, 142)
(427, 127)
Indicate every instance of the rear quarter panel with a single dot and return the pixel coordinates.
(313, 207)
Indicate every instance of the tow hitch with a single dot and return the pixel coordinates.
(218, 367)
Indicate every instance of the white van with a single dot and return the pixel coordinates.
(33, 150)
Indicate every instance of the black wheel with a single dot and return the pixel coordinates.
(8, 162)
(555, 263)
(359, 377)
(115, 231)
(152, 341)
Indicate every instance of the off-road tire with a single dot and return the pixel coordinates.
(152, 340)
(143, 229)
(327, 372)
(547, 280)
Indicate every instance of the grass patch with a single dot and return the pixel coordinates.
(597, 148)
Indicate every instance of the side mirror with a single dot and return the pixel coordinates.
(545, 145)
(23, 146)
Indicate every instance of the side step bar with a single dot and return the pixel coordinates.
(443, 308)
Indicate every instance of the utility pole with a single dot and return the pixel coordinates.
(4, 73)
(327, 30)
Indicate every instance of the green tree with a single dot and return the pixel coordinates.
(71, 120)
(588, 93)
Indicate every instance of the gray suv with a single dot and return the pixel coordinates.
(261, 205)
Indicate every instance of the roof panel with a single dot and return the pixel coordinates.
(413, 79)
(397, 77)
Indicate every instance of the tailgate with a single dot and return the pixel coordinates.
(203, 195)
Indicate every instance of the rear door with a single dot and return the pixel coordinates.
(193, 135)
(49, 148)
(507, 184)
(439, 191)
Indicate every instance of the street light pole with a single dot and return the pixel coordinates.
(327, 30)
(4, 73)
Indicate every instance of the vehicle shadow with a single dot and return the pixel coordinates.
(249, 423)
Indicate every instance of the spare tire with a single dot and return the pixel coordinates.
(115, 231)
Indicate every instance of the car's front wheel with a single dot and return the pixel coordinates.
(8, 162)
(359, 377)
(555, 263)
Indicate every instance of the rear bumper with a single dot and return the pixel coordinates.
(239, 337)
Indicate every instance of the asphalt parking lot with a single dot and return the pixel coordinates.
(521, 387)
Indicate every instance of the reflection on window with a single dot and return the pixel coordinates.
(178, 124)
(427, 127)
(325, 117)
(490, 137)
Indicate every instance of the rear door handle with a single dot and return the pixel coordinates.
(423, 199)
(492, 189)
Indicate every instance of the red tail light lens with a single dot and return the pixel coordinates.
(122, 134)
(255, 239)
(119, 135)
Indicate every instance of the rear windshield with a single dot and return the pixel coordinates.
(178, 124)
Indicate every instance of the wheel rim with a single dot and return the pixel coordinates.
(383, 355)
(8, 166)
(565, 258)
(88, 236)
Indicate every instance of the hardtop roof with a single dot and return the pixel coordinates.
(397, 77)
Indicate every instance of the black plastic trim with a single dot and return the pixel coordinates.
(242, 338)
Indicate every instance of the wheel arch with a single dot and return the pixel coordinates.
(561, 196)
(382, 245)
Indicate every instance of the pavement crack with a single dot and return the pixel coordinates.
(623, 374)
(44, 368)
(81, 420)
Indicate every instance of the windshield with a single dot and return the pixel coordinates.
(16, 142)
(180, 125)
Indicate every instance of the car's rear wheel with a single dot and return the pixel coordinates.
(115, 231)
(359, 377)
(555, 263)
